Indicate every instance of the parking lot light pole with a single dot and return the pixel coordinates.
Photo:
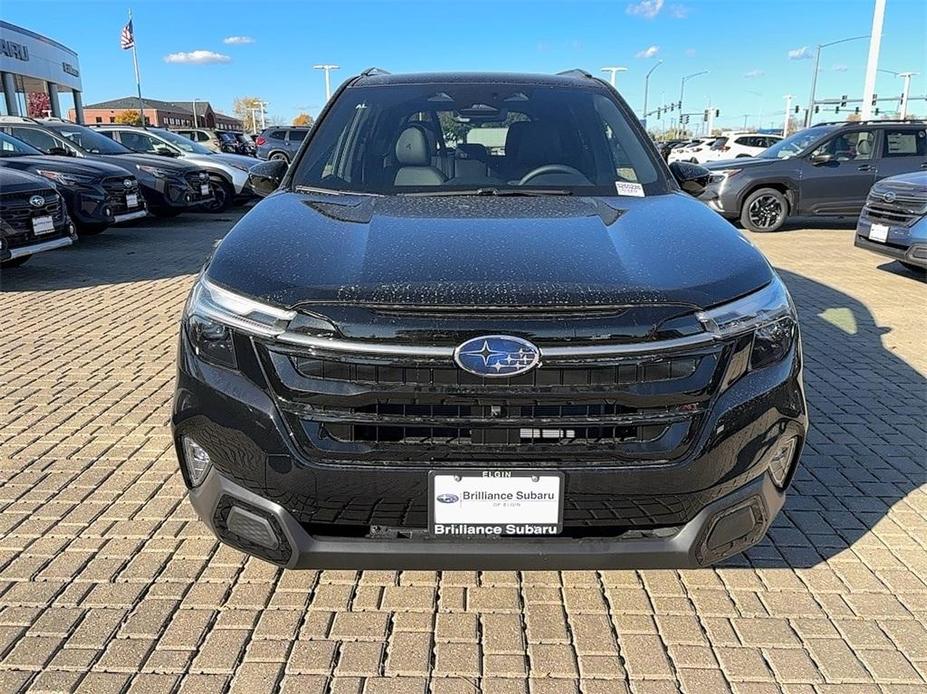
(328, 85)
(613, 71)
(647, 84)
(809, 114)
(682, 91)
(905, 91)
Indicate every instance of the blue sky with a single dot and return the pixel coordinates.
(745, 45)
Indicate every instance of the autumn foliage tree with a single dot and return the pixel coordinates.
(303, 120)
(38, 105)
(128, 117)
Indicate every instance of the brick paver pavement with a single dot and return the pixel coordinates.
(108, 583)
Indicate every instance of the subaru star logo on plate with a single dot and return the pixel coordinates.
(497, 355)
(36, 201)
(448, 498)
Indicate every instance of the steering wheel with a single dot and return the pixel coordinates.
(548, 169)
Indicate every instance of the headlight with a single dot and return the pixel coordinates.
(723, 174)
(767, 314)
(65, 179)
(153, 170)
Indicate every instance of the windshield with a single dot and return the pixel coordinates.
(184, 143)
(484, 137)
(11, 147)
(795, 143)
(90, 141)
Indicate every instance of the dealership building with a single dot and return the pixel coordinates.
(33, 64)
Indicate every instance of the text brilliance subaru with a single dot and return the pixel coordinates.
(426, 350)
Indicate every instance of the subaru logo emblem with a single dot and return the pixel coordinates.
(888, 197)
(497, 356)
(448, 498)
(36, 201)
(128, 183)
(203, 175)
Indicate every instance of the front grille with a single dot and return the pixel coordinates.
(641, 409)
(116, 192)
(16, 215)
(909, 205)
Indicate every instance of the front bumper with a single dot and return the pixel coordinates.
(38, 247)
(95, 205)
(905, 243)
(174, 193)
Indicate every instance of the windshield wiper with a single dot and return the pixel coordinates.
(497, 192)
(332, 191)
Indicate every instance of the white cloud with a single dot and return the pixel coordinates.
(648, 9)
(648, 52)
(803, 53)
(237, 40)
(678, 11)
(753, 74)
(199, 57)
(840, 68)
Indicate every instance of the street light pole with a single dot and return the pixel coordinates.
(814, 78)
(682, 91)
(647, 84)
(903, 109)
(196, 123)
(872, 63)
(327, 67)
(613, 71)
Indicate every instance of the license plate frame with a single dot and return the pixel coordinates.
(488, 518)
(44, 224)
(204, 189)
(131, 200)
(879, 232)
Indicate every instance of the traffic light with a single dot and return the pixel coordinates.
(843, 101)
(876, 112)
(875, 98)
(817, 109)
(856, 110)
(836, 109)
(705, 115)
(797, 109)
(717, 112)
(685, 119)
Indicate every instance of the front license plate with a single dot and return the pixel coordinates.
(878, 232)
(42, 225)
(131, 200)
(493, 503)
(204, 189)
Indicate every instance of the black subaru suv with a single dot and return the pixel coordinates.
(97, 194)
(420, 352)
(825, 171)
(169, 187)
(33, 218)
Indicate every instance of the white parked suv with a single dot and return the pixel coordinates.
(691, 150)
(735, 146)
(228, 173)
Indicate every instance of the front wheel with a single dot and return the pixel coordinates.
(764, 210)
(223, 195)
(279, 156)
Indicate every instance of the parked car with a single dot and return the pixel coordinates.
(667, 146)
(894, 221)
(383, 367)
(33, 217)
(736, 146)
(690, 150)
(228, 173)
(280, 143)
(169, 187)
(97, 194)
(825, 171)
(206, 137)
(246, 144)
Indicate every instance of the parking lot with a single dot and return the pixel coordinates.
(109, 583)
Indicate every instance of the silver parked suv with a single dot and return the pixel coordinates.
(280, 143)
(228, 173)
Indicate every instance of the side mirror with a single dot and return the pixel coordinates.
(692, 178)
(60, 152)
(165, 151)
(265, 177)
(819, 159)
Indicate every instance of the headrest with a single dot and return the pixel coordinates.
(412, 148)
(466, 150)
(539, 144)
(513, 137)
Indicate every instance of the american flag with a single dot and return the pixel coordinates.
(127, 39)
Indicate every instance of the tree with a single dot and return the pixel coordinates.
(304, 120)
(128, 118)
(242, 108)
(38, 105)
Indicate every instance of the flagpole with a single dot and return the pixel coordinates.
(138, 79)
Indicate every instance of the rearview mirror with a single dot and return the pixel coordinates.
(265, 177)
(692, 178)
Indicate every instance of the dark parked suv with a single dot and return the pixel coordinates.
(33, 217)
(279, 143)
(415, 354)
(826, 170)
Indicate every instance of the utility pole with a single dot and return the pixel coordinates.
(682, 89)
(327, 67)
(788, 115)
(613, 71)
(872, 64)
(647, 84)
(905, 92)
(809, 112)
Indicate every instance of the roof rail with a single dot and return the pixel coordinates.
(575, 72)
(17, 119)
(371, 71)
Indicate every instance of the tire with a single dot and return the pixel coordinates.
(166, 211)
(15, 262)
(764, 210)
(223, 196)
(279, 156)
(91, 228)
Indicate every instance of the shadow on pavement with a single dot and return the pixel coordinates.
(894, 267)
(150, 249)
(865, 452)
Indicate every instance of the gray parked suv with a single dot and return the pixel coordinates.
(280, 143)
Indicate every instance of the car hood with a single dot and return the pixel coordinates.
(66, 165)
(13, 181)
(237, 160)
(740, 163)
(918, 179)
(294, 249)
(129, 161)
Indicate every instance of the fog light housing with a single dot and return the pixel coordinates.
(780, 463)
(196, 460)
